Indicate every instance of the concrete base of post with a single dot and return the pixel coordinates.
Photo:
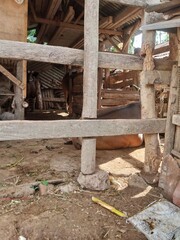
(98, 181)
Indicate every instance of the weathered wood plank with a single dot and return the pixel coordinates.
(52, 99)
(157, 77)
(176, 119)
(64, 55)
(21, 73)
(19, 130)
(11, 77)
(90, 81)
(148, 110)
(162, 25)
(139, 3)
(172, 109)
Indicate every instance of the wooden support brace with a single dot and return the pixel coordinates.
(11, 77)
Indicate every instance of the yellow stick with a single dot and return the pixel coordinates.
(107, 206)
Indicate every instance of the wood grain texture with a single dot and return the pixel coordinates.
(172, 109)
(19, 130)
(64, 55)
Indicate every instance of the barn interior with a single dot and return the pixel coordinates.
(61, 23)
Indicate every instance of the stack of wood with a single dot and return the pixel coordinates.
(120, 89)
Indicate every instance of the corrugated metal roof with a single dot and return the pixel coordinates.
(52, 78)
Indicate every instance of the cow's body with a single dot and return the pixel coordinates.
(130, 111)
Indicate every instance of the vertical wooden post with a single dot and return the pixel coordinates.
(91, 40)
(152, 149)
(20, 94)
(100, 78)
(172, 109)
(177, 134)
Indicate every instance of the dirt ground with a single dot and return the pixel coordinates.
(67, 212)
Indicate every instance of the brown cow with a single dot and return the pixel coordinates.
(130, 111)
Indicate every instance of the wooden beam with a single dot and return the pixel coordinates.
(11, 77)
(162, 7)
(126, 16)
(52, 9)
(172, 109)
(157, 77)
(67, 19)
(90, 81)
(20, 130)
(162, 25)
(138, 3)
(162, 49)
(53, 54)
(74, 26)
(21, 73)
(113, 43)
(176, 119)
(49, 99)
(148, 110)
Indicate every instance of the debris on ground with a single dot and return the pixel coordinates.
(160, 221)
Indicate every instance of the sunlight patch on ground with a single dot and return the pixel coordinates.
(119, 166)
(63, 114)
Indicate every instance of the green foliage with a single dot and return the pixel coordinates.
(161, 37)
(31, 36)
(131, 46)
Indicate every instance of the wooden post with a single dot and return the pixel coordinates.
(172, 109)
(152, 149)
(177, 134)
(91, 19)
(100, 77)
(18, 98)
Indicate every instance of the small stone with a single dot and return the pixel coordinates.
(68, 188)
(176, 195)
(136, 180)
(98, 181)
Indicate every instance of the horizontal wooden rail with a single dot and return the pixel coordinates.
(19, 130)
(63, 55)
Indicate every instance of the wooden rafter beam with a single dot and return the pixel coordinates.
(132, 31)
(11, 77)
(68, 18)
(52, 9)
(74, 26)
(140, 3)
(19, 130)
(113, 43)
(53, 54)
(126, 16)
